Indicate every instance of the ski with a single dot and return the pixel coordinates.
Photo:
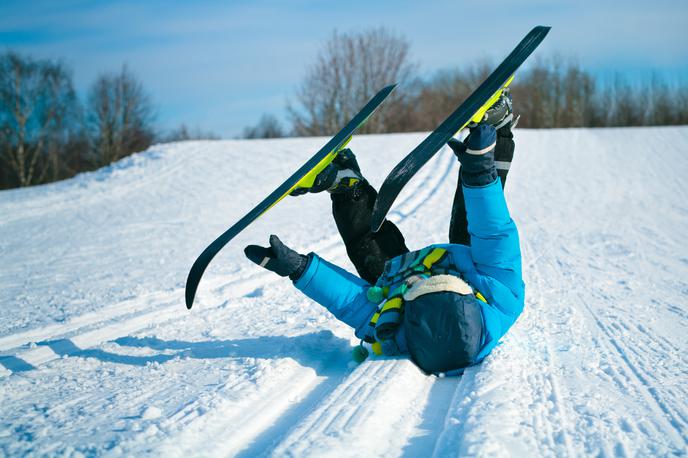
(473, 107)
(303, 177)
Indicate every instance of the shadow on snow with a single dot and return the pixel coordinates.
(307, 349)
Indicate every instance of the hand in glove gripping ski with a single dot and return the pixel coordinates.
(278, 258)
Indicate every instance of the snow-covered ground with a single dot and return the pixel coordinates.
(98, 354)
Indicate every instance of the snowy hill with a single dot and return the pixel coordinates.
(98, 354)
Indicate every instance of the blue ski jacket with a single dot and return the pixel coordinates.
(491, 265)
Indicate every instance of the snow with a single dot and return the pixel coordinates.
(99, 356)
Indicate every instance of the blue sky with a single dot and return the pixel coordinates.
(219, 65)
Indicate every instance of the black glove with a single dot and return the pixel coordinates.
(476, 155)
(278, 258)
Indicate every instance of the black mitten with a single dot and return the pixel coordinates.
(278, 258)
(476, 155)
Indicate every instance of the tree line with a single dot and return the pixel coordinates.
(48, 134)
(548, 93)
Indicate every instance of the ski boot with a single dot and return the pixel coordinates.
(501, 117)
(500, 114)
(341, 175)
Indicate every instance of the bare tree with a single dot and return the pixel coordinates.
(348, 71)
(629, 103)
(557, 93)
(183, 133)
(550, 93)
(681, 105)
(268, 127)
(664, 110)
(433, 100)
(37, 107)
(120, 116)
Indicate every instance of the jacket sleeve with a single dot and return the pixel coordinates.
(340, 292)
(494, 239)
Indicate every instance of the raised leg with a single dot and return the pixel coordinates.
(504, 153)
(368, 251)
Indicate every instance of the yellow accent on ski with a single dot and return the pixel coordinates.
(478, 116)
(309, 179)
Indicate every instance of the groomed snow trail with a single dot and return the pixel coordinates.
(98, 354)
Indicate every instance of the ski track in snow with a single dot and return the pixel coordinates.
(98, 354)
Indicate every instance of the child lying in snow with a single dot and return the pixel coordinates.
(446, 305)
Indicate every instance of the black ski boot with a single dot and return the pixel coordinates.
(340, 176)
(500, 114)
